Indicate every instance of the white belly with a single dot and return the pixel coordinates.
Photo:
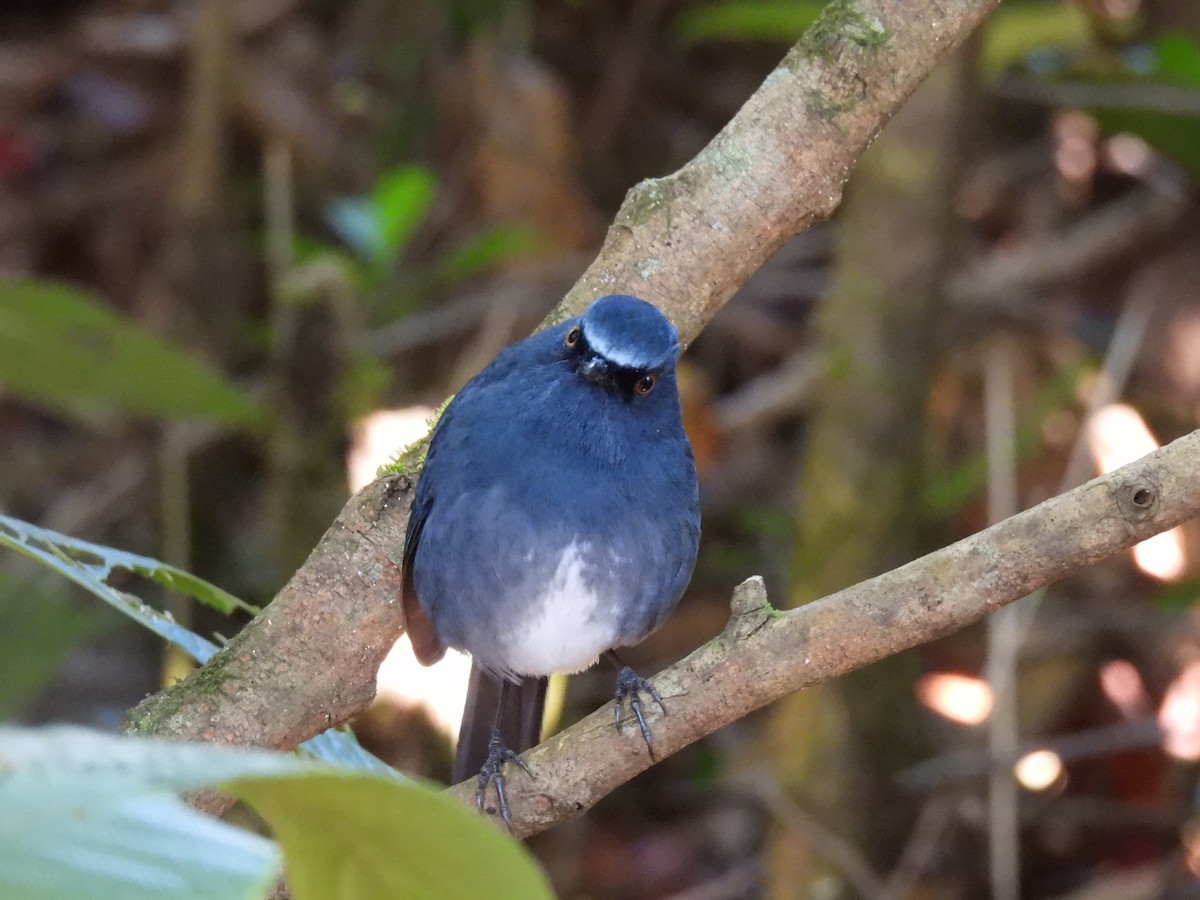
(569, 625)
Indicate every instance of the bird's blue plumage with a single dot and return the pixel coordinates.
(557, 513)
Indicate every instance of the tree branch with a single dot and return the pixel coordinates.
(685, 242)
(763, 654)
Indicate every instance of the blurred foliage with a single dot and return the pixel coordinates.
(84, 797)
(1051, 41)
(951, 488)
(766, 20)
(1174, 62)
(1144, 89)
(1018, 33)
(487, 250)
(62, 348)
(40, 629)
(1178, 597)
(379, 227)
(91, 565)
(403, 88)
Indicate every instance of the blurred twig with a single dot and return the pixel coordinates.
(923, 844)
(1007, 280)
(207, 111)
(1166, 98)
(831, 846)
(781, 392)
(617, 88)
(1003, 631)
(964, 765)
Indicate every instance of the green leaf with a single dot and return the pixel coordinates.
(93, 815)
(64, 349)
(754, 20)
(378, 227)
(382, 838)
(401, 199)
(90, 565)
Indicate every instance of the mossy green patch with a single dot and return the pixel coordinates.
(840, 23)
(156, 718)
(646, 199)
(409, 460)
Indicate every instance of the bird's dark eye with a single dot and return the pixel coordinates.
(572, 337)
(644, 385)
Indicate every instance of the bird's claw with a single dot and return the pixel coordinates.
(493, 771)
(630, 686)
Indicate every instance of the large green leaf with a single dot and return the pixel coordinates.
(381, 838)
(64, 349)
(341, 747)
(92, 815)
(87, 814)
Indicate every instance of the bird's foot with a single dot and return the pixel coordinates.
(630, 687)
(493, 771)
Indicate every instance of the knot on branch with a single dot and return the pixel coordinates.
(750, 609)
(1137, 499)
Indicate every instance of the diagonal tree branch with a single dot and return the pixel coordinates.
(764, 654)
(685, 242)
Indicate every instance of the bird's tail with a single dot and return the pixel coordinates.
(520, 723)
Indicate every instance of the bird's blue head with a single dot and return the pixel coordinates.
(622, 343)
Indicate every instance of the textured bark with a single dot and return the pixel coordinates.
(309, 660)
(685, 242)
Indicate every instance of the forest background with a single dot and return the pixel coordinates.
(246, 250)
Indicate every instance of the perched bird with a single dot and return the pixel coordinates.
(556, 519)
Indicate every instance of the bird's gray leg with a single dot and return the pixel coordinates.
(493, 766)
(630, 686)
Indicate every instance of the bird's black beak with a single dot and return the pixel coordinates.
(596, 370)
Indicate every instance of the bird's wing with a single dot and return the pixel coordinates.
(425, 644)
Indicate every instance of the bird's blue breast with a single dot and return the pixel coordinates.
(558, 521)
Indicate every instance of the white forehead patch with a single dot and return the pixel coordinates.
(616, 355)
(566, 630)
